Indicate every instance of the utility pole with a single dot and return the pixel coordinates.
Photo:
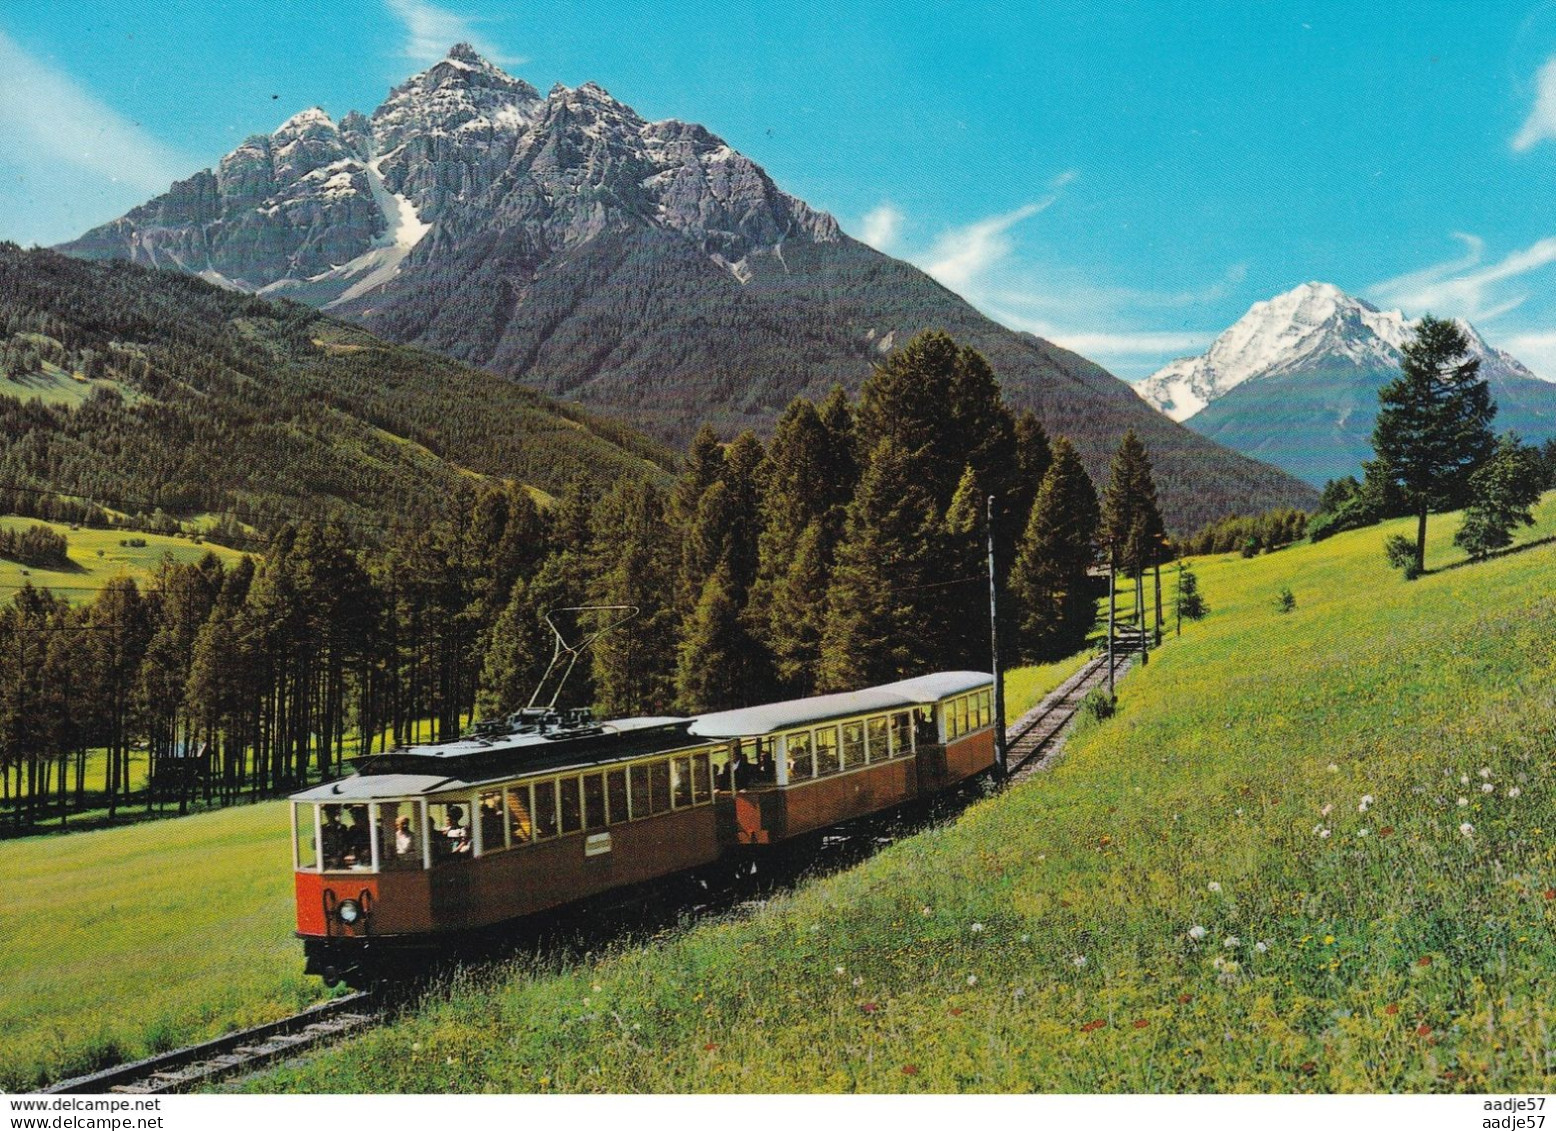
(1161, 545)
(1112, 604)
(1179, 602)
(994, 650)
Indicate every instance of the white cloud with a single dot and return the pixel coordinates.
(1541, 123)
(1536, 350)
(430, 31)
(881, 227)
(46, 117)
(1464, 287)
(961, 256)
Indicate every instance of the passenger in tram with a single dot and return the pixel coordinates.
(925, 720)
(456, 833)
(763, 770)
(334, 836)
(359, 843)
(491, 823)
(739, 772)
(404, 839)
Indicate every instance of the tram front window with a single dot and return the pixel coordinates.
(307, 852)
(399, 835)
(344, 839)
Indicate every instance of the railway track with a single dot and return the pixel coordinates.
(187, 1068)
(1036, 737)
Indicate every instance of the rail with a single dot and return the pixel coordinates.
(1034, 737)
(186, 1068)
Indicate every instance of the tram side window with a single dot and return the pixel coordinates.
(681, 781)
(879, 745)
(307, 856)
(450, 830)
(964, 713)
(721, 758)
(985, 708)
(545, 810)
(762, 766)
(616, 796)
(641, 805)
(399, 836)
(490, 823)
(826, 751)
(853, 745)
(572, 811)
(594, 801)
(520, 824)
(901, 733)
(702, 787)
(801, 766)
(345, 841)
(659, 786)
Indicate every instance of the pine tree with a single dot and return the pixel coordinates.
(797, 613)
(634, 564)
(1502, 491)
(714, 653)
(1434, 424)
(1050, 582)
(1132, 526)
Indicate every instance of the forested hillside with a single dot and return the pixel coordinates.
(196, 400)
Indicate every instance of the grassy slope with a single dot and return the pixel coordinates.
(126, 941)
(1046, 941)
(93, 572)
(120, 942)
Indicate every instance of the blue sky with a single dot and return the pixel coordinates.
(1123, 178)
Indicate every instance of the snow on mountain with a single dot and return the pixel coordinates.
(1315, 326)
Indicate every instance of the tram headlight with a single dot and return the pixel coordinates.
(350, 911)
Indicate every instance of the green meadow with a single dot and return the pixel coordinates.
(97, 557)
(1312, 851)
(122, 942)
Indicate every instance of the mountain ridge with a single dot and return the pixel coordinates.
(645, 269)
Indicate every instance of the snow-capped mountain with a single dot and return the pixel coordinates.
(1314, 326)
(1295, 382)
(647, 269)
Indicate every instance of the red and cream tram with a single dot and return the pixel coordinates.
(422, 845)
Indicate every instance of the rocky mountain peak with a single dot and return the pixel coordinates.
(1313, 327)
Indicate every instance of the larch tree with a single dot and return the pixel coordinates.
(1434, 424)
(1502, 492)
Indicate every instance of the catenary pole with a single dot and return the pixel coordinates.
(994, 651)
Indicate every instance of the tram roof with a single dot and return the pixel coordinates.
(770, 717)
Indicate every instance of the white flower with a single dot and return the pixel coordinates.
(1324, 834)
(1485, 771)
(1196, 932)
(1467, 829)
(972, 979)
(925, 911)
(1231, 942)
(1019, 993)
(1317, 829)
(1361, 832)
(1213, 886)
(1463, 801)
(1488, 788)
(1367, 799)
(1366, 803)
(1333, 769)
(1326, 810)
(858, 980)
(1514, 791)
(1026, 938)
(976, 928)
(1079, 961)
(839, 970)
(1261, 947)
(1464, 779)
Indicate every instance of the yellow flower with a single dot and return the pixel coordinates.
(1329, 940)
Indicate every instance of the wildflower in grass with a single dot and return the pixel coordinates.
(1093, 1026)
(972, 979)
(1550, 893)
(1514, 791)
(1333, 769)
(1423, 1030)
(1026, 938)
(1463, 801)
(869, 1007)
(1326, 810)
(858, 980)
(1329, 940)
(1361, 832)
(925, 911)
(1464, 779)
(1467, 829)
(1184, 999)
(710, 1047)
(1323, 834)
(910, 1070)
(1213, 887)
(1079, 962)
(1231, 942)
(1018, 993)
(1196, 932)
(1391, 1008)
(976, 928)
(1424, 960)
(1141, 1023)
(957, 1011)
(1485, 771)
(1307, 1068)
(1386, 830)
(838, 970)
(1366, 803)
(1261, 946)
(1488, 788)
